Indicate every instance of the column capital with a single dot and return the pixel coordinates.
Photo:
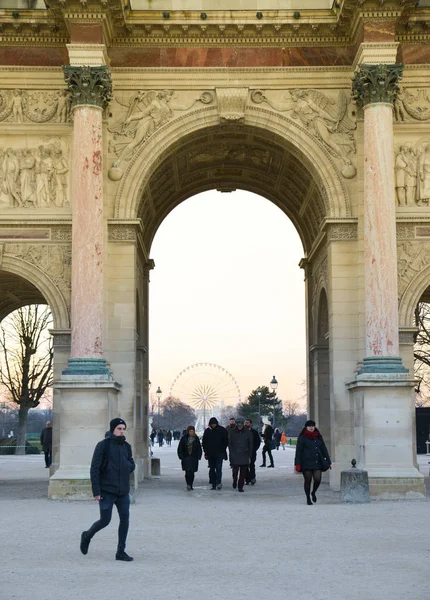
(88, 85)
(374, 84)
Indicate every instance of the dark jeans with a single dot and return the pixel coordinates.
(189, 477)
(241, 471)
(48, 457)
(250, 471)
(215, 470)
(267, 448)
(106, 503)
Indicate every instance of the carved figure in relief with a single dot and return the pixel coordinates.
(63, 106)
(423, 188)
(59, 179)
(415, 105)
(18, 106)
(147, 111)
(399, 107)
(26, 175)
(311, 108)
(401, 166)
(411, 174)
(10, 178)
(44, 171)
(330, 121)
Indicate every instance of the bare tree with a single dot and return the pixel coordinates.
(26, 361)
(422, 354)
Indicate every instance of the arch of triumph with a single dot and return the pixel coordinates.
(112, 112)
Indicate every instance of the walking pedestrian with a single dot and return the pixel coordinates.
(46, 443)
(284, 440)
(231, 425)
(160, 437)
(153, 436)
(277, 438)
(190, 452)
(250, 477)
(311, 459)
(268, 445)
(240, 449)
(215, 442)
(169, 437)
(111, 467)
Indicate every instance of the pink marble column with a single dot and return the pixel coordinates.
(88, 233)
(380, 254)
(90, 90)
(375, 88)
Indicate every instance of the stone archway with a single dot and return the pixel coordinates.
(266, 154)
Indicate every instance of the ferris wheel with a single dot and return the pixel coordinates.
(205, 386)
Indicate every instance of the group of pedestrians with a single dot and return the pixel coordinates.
(112, 465)
(161, 435)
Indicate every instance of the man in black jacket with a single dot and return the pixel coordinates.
(215, 442)
(111, 467)
(46, 443)
(250, 473)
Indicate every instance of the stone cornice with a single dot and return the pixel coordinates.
(338, 26)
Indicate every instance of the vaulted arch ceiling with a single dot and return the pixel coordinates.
(235, 157)
(16, 292)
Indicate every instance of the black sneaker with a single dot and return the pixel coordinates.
(213, 487)
(234, 485)
(123, 556)
(253, 481)
(85, 542)
(240, 489)
(219, 486)
(189, 487)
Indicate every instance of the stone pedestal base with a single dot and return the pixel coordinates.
(87, 404)
(383, 406)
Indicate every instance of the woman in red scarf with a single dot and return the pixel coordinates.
(311, 458)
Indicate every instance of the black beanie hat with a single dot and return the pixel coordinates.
(310, 423)
(213, 421)
(115, 422)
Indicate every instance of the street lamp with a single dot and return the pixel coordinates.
(273, 385)
(158, 393)
(259, 392)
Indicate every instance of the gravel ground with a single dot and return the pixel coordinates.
(211, 544)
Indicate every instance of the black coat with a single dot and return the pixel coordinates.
(111, 466)
(311, 455)
(46, 439)
(190, 462)
(240, 446)
(256, 441)
(215, 442)
(268, 434)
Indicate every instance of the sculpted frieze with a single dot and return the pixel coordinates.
(146, 112)
(53, 259)
(412, 105)
(412, 257)
(21, 106)
(412, 174)
(331, 121)
(236, 153)
(35, 177)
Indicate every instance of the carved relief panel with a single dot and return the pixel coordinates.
(412, 257)
(137, 116)
(21, 106)
(331, 120)
(412, 173)
(34, 173)
(412, 105)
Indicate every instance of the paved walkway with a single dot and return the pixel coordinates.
(265, 543)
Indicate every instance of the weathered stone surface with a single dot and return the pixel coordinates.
(354, 486)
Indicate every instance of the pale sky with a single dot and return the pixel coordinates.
(227, 289)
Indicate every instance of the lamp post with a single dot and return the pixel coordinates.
(273, 385)
(3, 411)
(158, 394)
(259, 408)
